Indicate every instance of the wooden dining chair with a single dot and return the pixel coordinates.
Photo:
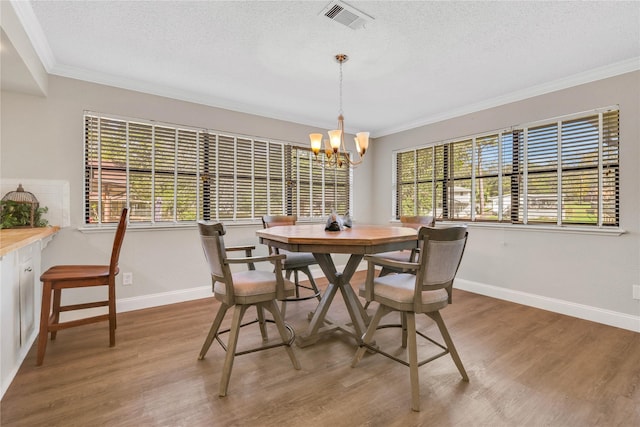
(60, 277)
(294, 262)
(427, 291)
(242, 290)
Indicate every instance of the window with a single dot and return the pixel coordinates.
(171, 174)
(561, 171)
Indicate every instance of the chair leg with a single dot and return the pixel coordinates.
(238, 312)
(112, 315)
(296, 282)
(368, 336)
(316, 291)
(278, 319)
(45, 311)
(403, 321)
(262, 323)
(447, 339)
(413, 360)
(283, 308)
(55, 314)
(213, 331)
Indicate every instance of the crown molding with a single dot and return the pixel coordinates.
(612, 70)
(36, 35)
(32, 27)
(181, 95)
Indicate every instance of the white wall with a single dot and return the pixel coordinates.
(585, 275)
(580, 274)
(42, 138)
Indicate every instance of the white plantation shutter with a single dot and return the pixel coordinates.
(580, 160)
(340, 179)
(610, 193)
(208, 176)
(405, 183)
(105, 169)
(302, 184)
(260, 202)
(186, 202)
(244, 178)
(424, 181)
(140, 167)
(277, 182)
(164, 168)
(564, 172)
(542, 174)
(225, 172)
(487, 176)
(321, 194)
(461, 165)
(317, 188)
(508, 174)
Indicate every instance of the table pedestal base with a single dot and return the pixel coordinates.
(319, 323)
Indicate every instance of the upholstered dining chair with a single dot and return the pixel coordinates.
(60, 277)
(294, 262)
(408, 255)
(427, 291)
(242, 290)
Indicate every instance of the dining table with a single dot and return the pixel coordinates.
(356, 242)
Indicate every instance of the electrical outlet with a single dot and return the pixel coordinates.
(636, 291)
(127, 279)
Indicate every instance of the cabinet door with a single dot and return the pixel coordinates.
(9, 330)
(27, 282)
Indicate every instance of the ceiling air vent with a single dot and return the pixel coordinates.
(346, 15)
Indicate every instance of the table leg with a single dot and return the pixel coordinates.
(354, 307)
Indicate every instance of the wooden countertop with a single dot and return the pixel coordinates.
(12, 239)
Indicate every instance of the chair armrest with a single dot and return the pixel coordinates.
(372, 261)
(414, 254)
(247, 253)
(247, 260)
(240, 248)
(384, 262)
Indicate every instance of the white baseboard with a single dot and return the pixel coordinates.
(164, 298)
(172, 297)
(581, 311)
(594, 314)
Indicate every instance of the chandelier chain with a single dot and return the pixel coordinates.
(340, 111)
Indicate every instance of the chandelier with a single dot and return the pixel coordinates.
(334, 146)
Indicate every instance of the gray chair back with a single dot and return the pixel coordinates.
(441, 251)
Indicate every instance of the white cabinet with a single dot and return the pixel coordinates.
(20, 297)
(9, 303)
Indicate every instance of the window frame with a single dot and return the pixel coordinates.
(517, 177)
(206, 152)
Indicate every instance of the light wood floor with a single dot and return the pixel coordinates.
(527, 367)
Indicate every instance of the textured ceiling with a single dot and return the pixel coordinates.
(416, 63)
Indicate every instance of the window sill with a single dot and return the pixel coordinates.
(602, 231)
(168, 226)
(606, 231)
